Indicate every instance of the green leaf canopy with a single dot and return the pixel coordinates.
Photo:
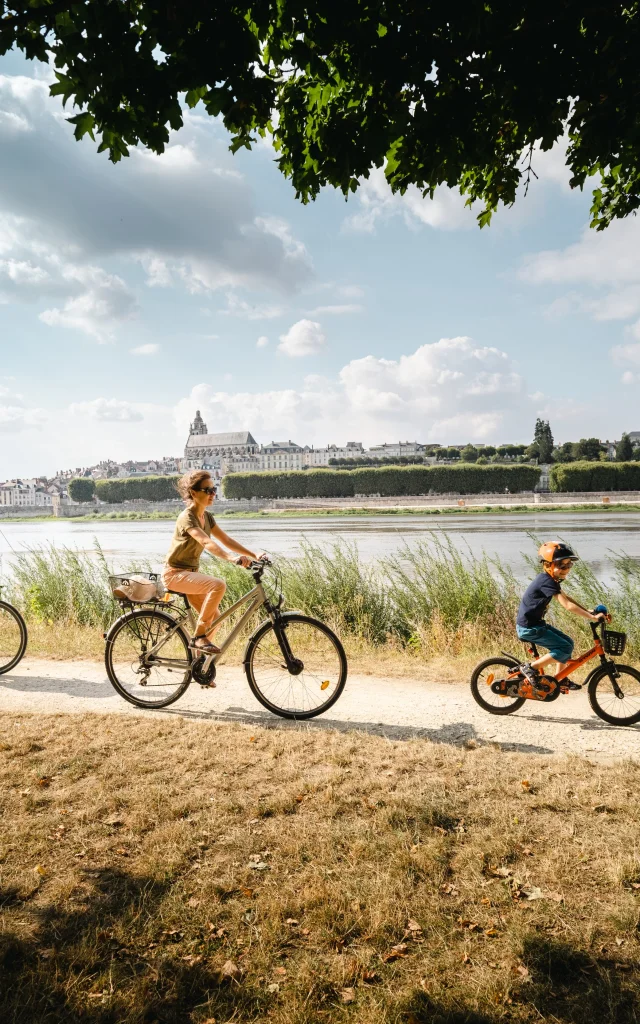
(436, 92)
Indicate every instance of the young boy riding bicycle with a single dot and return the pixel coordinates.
(557, 561)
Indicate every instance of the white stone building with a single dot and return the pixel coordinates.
(24, 492)
(321, 456)
(395, 449)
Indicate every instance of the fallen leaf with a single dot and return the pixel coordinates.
(532, 892)
(370, 977)
(273, 988)
(557, 897)
(292, 921)
(281, 971)
(491, 932)
(247, 892)
(347, 995)
(122, 852)
(447, 889)
(44, 781)
(259, 865)
(252, 739)
(525, 784)
(114, 821)
(305, 931)
(396, 952)
(522, 971)
(299, 798)
(40, 870)
(230, 970)
(526, 851)
(619, 941)
(466, 959)
(193, 902)
(413, 926)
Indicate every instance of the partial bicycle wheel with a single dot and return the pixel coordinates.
(321, 670)
(13, 637)
(485, 682)
(148, 680)
(621, 708)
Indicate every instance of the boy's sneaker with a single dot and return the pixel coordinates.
(570, 685)
(530, 673)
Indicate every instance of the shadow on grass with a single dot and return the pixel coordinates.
(71, 966)
(564, 985)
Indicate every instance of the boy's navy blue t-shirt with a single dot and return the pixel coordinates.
(536, 600)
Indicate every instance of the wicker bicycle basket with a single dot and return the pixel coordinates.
(614, 643)
(137, 587)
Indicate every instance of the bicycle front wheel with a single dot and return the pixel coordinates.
(320, 671)
(148, 660)
(617, 704)
(13, 637)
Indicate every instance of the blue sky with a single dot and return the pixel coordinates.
(130, 295)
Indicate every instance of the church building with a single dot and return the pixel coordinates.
(209, 451)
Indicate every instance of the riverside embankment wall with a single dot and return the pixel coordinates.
(368, 501)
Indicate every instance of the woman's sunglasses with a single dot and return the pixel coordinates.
(207, 490)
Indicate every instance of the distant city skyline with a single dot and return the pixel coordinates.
(131, 295)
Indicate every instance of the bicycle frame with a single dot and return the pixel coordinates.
(255, 599)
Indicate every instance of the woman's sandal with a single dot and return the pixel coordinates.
(206, 647)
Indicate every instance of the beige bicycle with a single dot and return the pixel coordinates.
(295, 665)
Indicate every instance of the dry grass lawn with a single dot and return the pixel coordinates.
(157, 870)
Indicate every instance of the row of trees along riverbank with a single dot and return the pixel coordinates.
(387, 481)
(148, 488)
(595, 476)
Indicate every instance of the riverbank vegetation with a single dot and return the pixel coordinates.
(431, 601)
(158, 869)
(592, 476)
(385, 481)
(348, 510)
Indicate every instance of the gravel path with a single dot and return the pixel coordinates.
(397, 708)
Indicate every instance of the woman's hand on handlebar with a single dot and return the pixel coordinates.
(244, 560)
(600, 617)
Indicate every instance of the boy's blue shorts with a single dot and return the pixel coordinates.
(557, 642)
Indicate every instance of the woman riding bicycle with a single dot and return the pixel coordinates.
(195, 528)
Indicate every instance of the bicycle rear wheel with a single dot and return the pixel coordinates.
(13, 637)
(611, 708)
(148, 680)
(490, 674)
(321, 673)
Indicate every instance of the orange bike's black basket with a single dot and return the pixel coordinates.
(614, 643)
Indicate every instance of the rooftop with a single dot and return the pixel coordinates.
(236, 437)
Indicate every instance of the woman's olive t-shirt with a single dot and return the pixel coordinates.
(184, 552)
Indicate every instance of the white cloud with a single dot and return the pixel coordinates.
(336, 310)
(452, 390)
(377, 202)
(249, 310)
(630, 378)
(102, 305)
(262, 341)
(627, 354)
(304, 338)
(145, 350)
(162, 211)
(15, 416)
(107, 410)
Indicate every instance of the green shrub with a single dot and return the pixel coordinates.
(149, 488)
(388, 481)
(82, 488)
(595, 476)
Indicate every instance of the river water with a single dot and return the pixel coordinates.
(594, 535)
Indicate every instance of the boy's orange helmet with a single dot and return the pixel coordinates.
(556, 551)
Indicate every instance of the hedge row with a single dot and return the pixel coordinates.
(595, 476)
(150, 488)
(388, 481)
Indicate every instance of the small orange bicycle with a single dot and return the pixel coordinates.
(500, 688)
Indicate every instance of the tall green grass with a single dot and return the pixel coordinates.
(431, 598)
